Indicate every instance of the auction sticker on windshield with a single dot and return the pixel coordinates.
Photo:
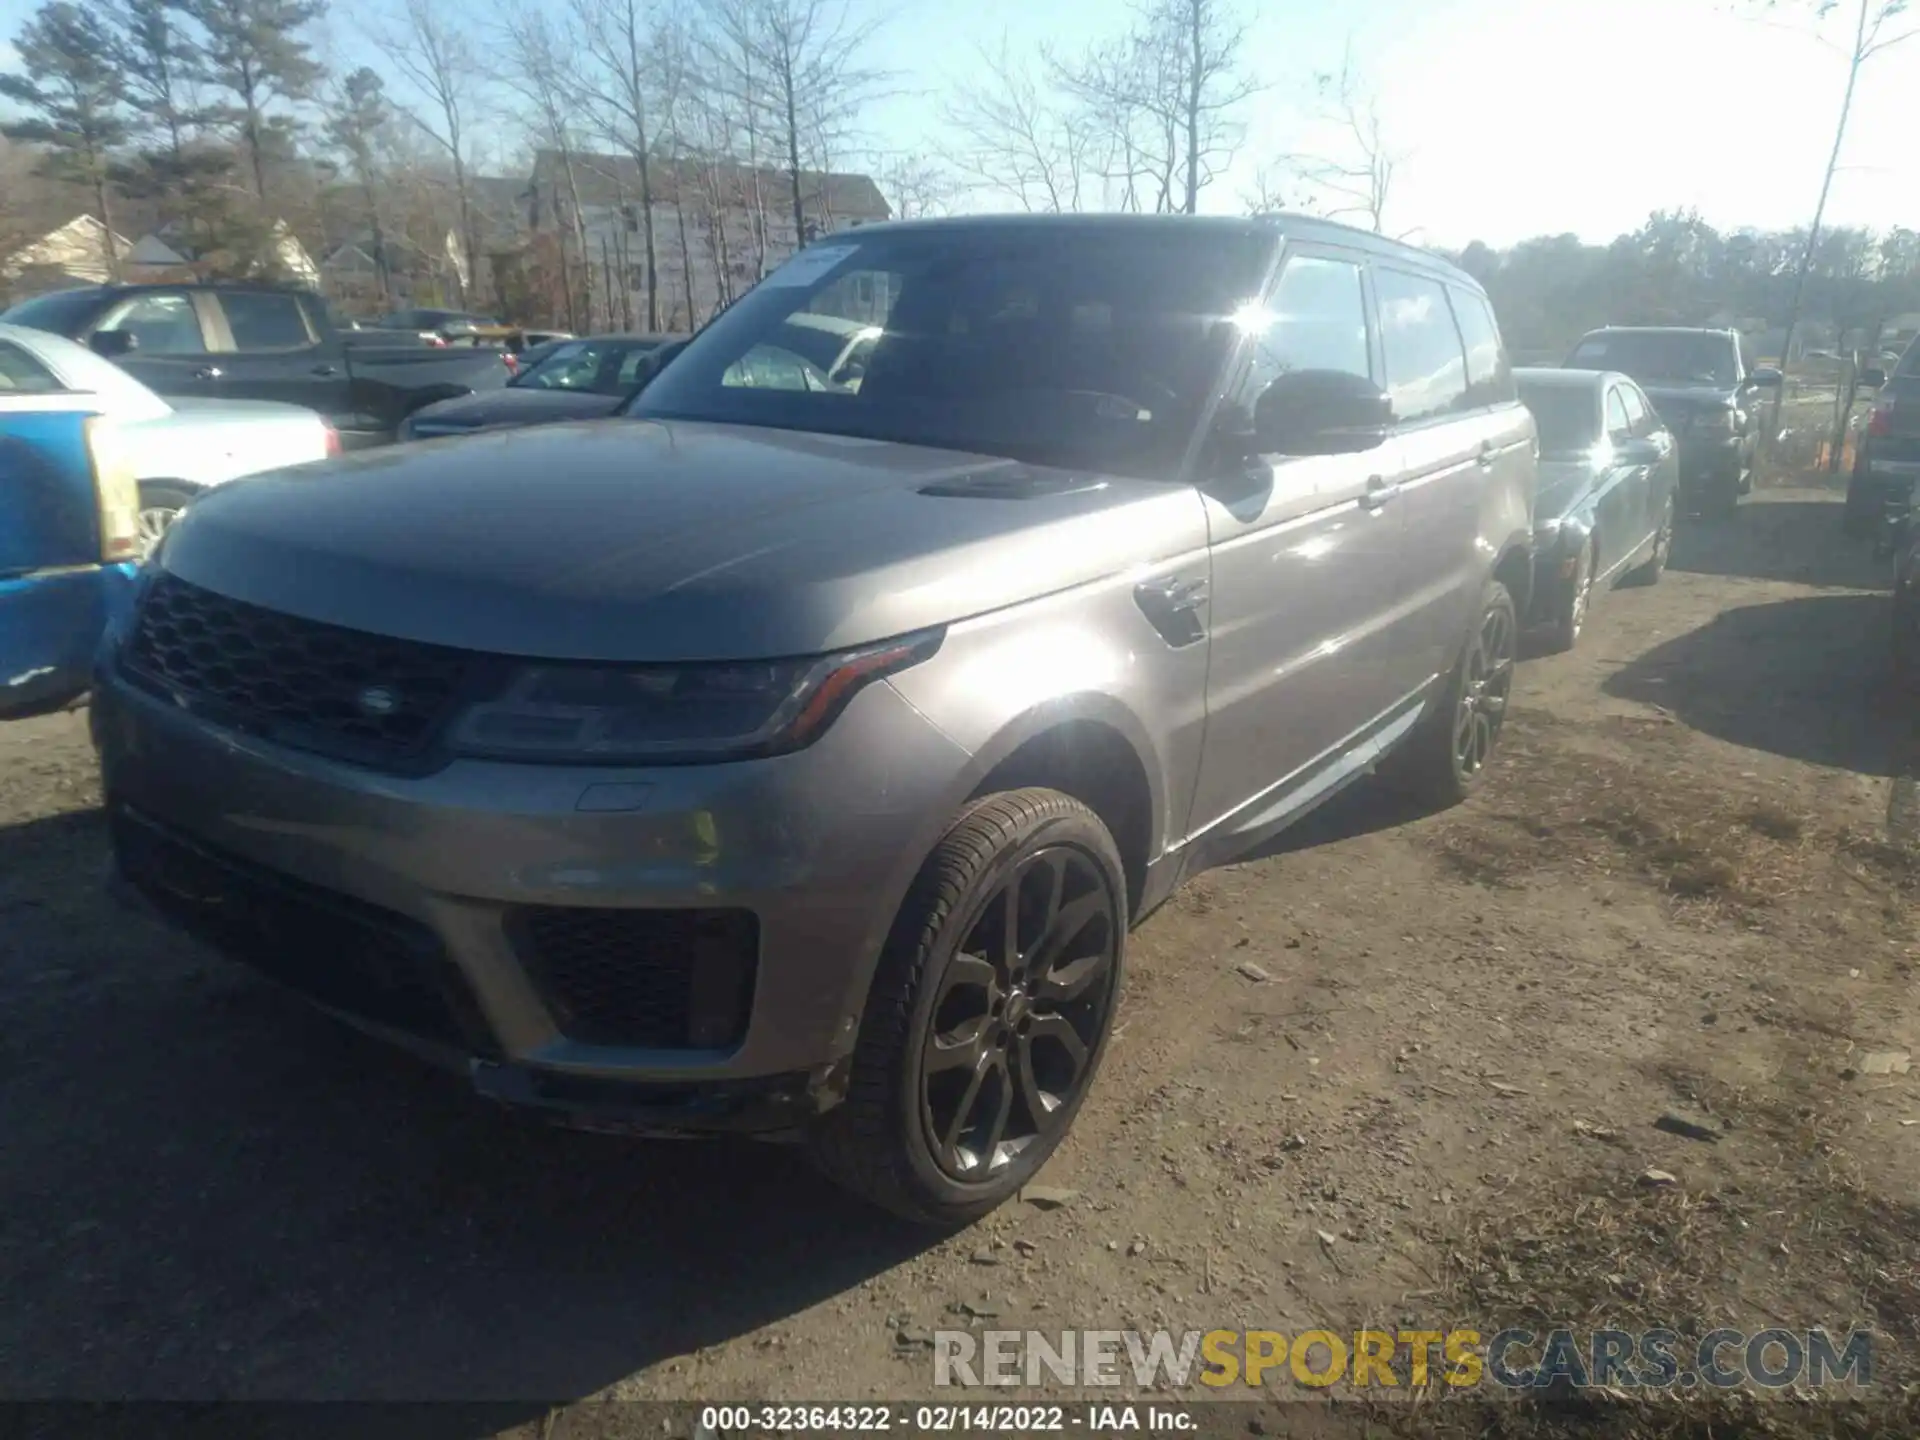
(810, 265)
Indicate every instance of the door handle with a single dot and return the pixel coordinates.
(326, 370)
(1379, 492)
(1486, 455)
(208, 372)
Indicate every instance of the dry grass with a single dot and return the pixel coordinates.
(1559, 809)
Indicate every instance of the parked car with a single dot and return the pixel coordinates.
(1609, 475)
(573, 380)
(795, 761)
(1886, 456)
(260, 342)
(176, 449)
(69, 542)
(1699, 382)
(441, 325)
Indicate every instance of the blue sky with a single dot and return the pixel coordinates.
(1516, 117)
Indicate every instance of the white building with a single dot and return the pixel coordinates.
(718, 226)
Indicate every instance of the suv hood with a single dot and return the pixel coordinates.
(636, 540)
(509, 406)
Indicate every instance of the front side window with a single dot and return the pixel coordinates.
(1640, 418)
(161, 324)
(21, 374)
(1618, 426)
(1426, 362)
(1079, 345)
(264, 320)
(1489, 376)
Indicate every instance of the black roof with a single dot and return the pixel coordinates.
(1289, 224)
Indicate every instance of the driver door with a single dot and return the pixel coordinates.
(1305, 554)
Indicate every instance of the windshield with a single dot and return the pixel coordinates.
(1069, 345)
(595, 367)
(1568, 417)
(1651, 356)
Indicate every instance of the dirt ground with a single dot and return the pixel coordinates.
(1681, 891)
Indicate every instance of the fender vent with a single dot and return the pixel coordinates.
(1019, 484)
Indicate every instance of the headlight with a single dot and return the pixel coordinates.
(675, 714)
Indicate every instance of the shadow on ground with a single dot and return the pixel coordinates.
(212, 1191)
(1792, 540)
(1805, 678)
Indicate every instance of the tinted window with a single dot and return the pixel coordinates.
(21, 374)
(263, 320)
(1618, 426)
(162, 324)
(1489, 378)
(1640, 417)
(1567, 416)
(1673, 357)
(1426, 363)
(1083, 345)
(599, 367)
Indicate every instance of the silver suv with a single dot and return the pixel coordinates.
(793, 754)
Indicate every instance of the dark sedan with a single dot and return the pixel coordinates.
(1609, 470)
(572, 380)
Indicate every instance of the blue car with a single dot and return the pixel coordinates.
(69, 546)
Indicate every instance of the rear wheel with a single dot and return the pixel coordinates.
(1446, 756)
(989, 1012)
(160, 505)
(1571, 616)
(1649, 571)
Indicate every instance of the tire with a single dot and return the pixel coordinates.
(1649, 571)
(1430, 767)
(903, 1137)
(160, 505)
(1571, 610)
(1722, 496)
(1904, 638)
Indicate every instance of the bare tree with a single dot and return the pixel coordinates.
(1166, 100)
(1016, 138)
(433, 53)
(914, 187)
(1878, 25)
(1268, 196)
(534, 70)
(618, 38)
(1357, 178)
(797, 68)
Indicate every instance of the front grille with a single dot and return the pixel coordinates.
(655, 979)
(342, 952)
(315, 686)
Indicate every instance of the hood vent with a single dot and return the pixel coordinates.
(1016, 484)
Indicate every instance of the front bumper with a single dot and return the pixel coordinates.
(1707, 457)
(1553, 566)
(401, 902)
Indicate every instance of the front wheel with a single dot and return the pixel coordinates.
(989, 1012)
(1445, 759)
(160, 506)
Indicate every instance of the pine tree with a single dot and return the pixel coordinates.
(256, 52)
(69, 87)
(355, 120)
(163, 63)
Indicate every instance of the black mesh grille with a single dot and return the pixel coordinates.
(657, 979)
(342, 952)
(316, 686)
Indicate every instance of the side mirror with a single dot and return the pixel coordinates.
(1873, 377)
(1765, 375)
(1321, 412)
(1635, 452)
(112, 344)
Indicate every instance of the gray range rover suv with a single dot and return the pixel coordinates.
(793, 754)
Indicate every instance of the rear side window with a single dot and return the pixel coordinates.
(263, 320)
(1426, 360)
(21, 374)
(1489, 376)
